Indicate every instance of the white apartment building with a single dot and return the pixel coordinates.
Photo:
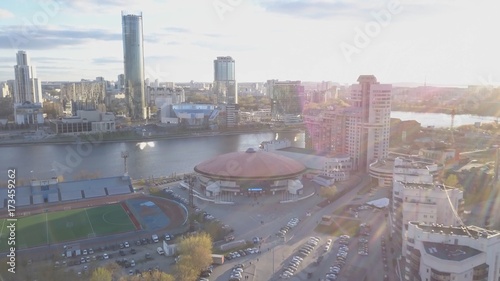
(26, 87)
(414, 171)
(424, 202)
(451, 253)
(405, 168)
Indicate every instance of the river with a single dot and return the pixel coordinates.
(441, 120)
(156, 158)
(161, 157)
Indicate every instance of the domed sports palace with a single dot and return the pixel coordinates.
(250, 173)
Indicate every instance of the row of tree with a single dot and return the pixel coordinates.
(195, 254)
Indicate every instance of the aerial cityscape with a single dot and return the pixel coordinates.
(249, 140)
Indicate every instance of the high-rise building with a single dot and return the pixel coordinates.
(121, 81)
(26, 87)
(459, 253)
(360, 130)
(287, 98)
(373, 100)
(225, 88)
(4, 90)
(133, 56)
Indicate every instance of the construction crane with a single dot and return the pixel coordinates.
(452, 137)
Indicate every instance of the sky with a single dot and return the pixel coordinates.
(444, 42)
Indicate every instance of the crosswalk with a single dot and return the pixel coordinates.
(224, 197)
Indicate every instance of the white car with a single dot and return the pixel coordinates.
(105, 256)
(236, 274)
(238, 269)
(160, 251)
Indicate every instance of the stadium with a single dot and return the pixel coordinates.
(250, 173)
(50, 212)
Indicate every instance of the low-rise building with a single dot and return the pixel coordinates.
(424, 202)
(406, 168)
(28, 113)
(458, 253)
(86, 121)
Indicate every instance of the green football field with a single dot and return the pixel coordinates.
(42, 229)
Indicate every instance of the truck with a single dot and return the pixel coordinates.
(217, 259)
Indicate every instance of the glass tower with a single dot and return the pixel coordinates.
(225, 88)
(133, 57)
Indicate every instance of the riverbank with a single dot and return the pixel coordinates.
(100, 138)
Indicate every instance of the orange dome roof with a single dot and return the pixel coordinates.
(254, 165)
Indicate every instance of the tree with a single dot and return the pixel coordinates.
(186, 270)
(328, 191)
(451, 180)
(6, 107)
(196, 254)
(160, 276)
(86, 175)
(101, 274)
(115, 270)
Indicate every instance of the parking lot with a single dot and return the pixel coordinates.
(133, 256)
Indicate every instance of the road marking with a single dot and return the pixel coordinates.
(47, 226)
(89, 221)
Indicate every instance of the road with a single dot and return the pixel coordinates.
(264, 220)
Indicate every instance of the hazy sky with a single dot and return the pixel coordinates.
(447, 42)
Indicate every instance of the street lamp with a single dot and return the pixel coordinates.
(124, 155)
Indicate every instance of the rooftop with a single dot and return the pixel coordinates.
(470, 231)
(250, 165)
(313, 152)
(427, 186)
(449, 251)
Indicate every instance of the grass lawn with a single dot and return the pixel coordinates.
(339, 226)
(61, 226)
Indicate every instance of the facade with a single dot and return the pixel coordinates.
(26, 87)
(84, 95)
(454, 253)
(405, 168)
(50, 190)
(374, 101)
(120, 83)
(424, 202)
(86, 121)
(190, 116)
(224, 87)
(28, 113)
(229, 115)
(133, 54)
(329, 168)
(250, 173)
(338, 167)
(159, 96)
(326, 130)
(360, 130)
(287, 97)
(440, 154)
(4, 90)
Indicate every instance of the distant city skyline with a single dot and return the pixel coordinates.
(449, 43)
